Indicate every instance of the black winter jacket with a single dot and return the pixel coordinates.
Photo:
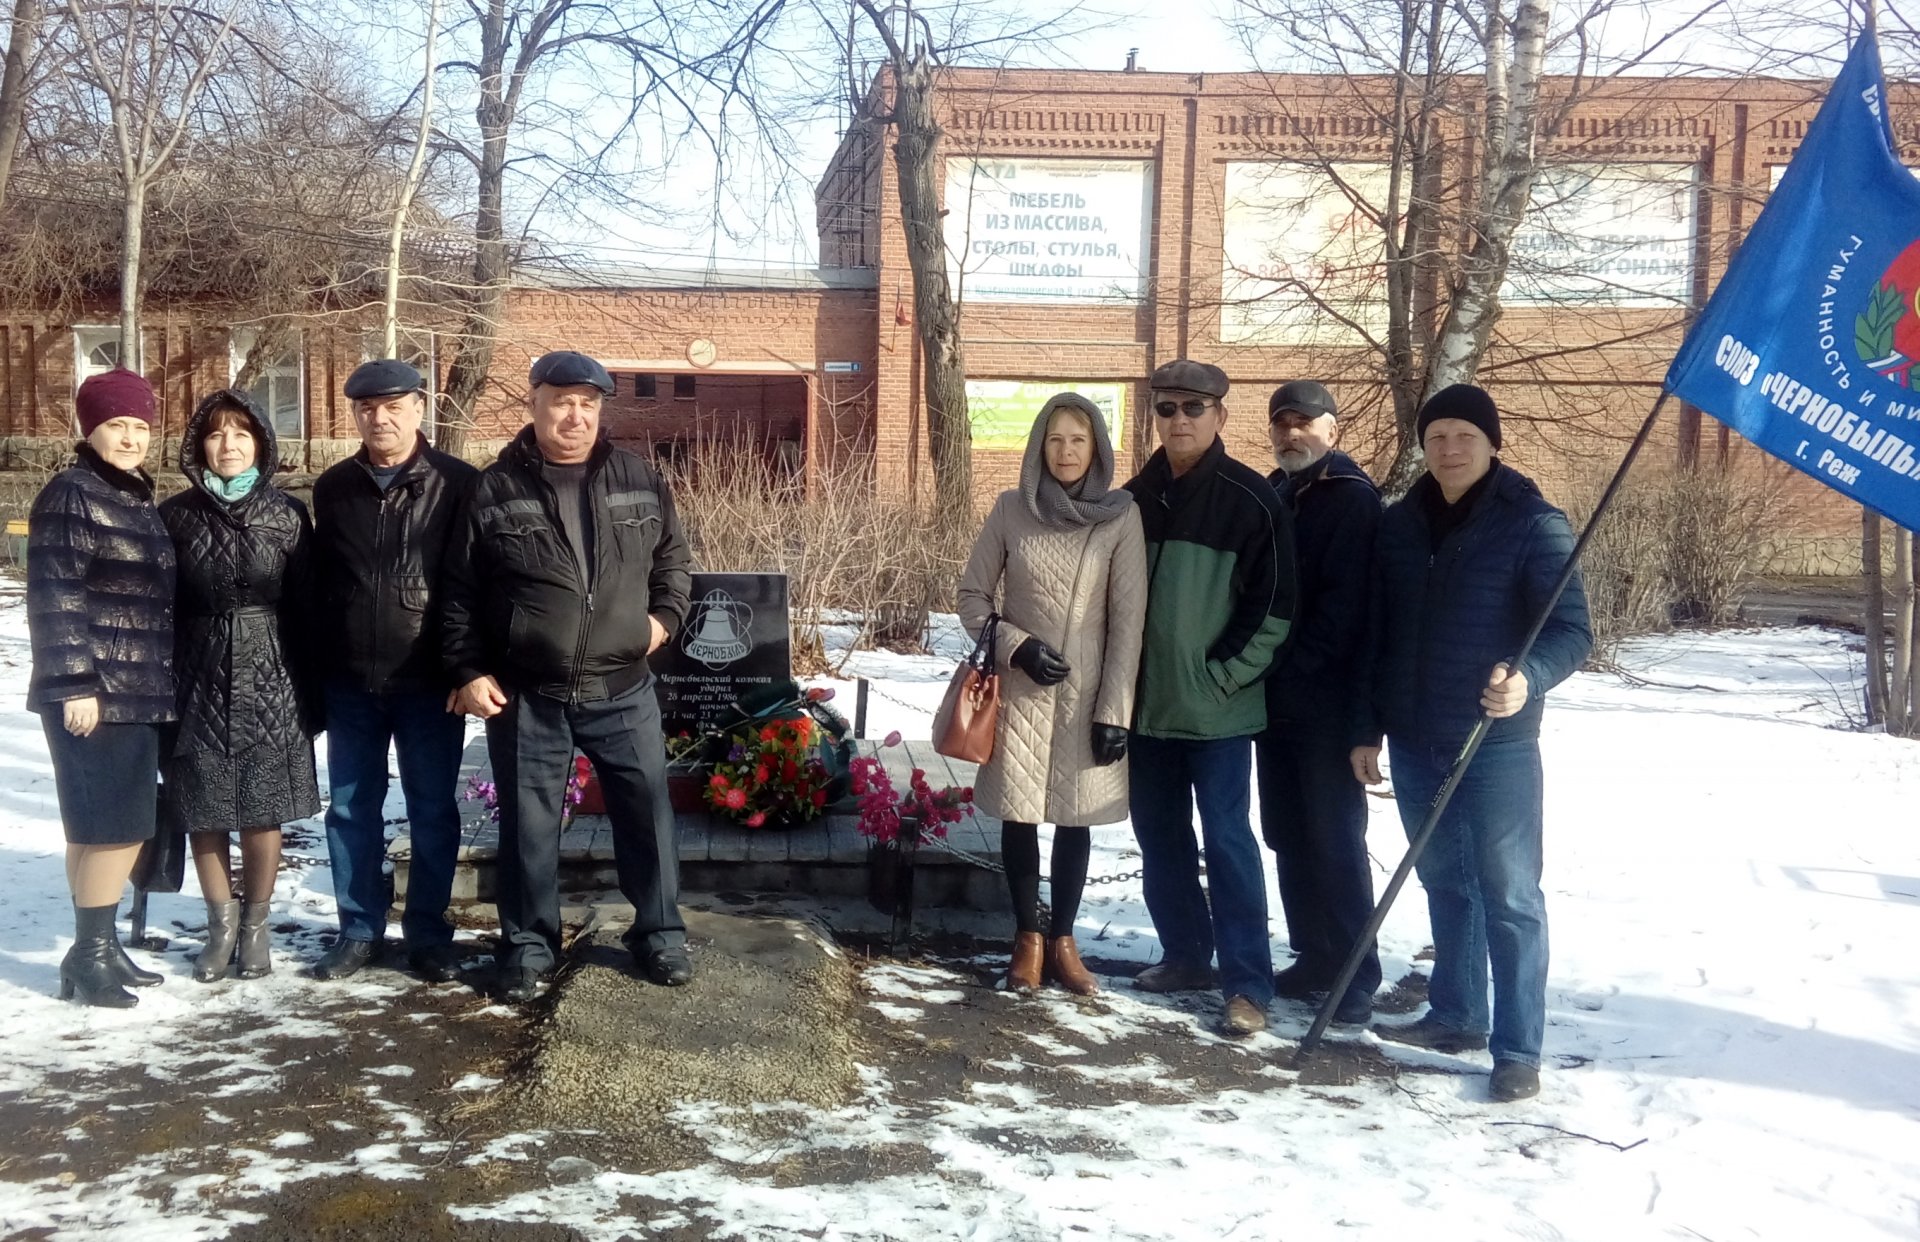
(515, 605)
(100, 594)
(1336, 514)
(378, 563)
(245, 630)
(1441, 619)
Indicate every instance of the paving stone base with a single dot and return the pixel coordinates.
(828, 858)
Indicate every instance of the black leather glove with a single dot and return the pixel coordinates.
(1046, 666)
(1109, 744)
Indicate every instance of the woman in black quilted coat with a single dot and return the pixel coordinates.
(243, 757)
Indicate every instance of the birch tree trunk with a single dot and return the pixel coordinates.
(133, 211)
(1515, 55)
(411, 187)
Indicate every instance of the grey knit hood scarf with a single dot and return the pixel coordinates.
(1090, 501)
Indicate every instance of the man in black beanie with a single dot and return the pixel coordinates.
(1464, 563)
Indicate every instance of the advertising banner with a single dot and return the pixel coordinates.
(1302, 259)
(1002, 411)
(1605, 235)
(1048, 230)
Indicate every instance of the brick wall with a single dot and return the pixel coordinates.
(1574, 384)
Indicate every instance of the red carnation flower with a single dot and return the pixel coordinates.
(736, 799)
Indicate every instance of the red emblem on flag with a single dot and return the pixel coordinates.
(1887, 332)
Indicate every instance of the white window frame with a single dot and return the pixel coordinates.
(88, 337)
(240, 343)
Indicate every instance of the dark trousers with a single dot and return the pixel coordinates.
(1313, 815)
(428, 740)
(531, 745)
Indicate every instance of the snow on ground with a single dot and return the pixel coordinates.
(1733, 1046)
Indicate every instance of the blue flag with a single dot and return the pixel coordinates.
(1810, 346)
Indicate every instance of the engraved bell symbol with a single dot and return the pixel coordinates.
(717, 626)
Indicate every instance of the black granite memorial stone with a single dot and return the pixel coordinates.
(735, 641)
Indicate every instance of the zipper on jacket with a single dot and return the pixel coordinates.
(379, 572)
(580, 647)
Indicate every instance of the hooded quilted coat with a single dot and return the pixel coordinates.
(1083, 591)
(243, 754)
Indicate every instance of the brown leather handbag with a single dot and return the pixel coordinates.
(963, 728)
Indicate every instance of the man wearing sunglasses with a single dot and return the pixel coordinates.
(1220, 599)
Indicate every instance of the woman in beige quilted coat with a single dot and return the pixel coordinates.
(1064, 558)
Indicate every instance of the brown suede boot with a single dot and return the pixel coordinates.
(1064, 967)
(1029, 952)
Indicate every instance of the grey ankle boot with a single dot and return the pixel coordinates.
(223, 928)
(254, 961)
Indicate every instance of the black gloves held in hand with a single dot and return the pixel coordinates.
(1046, 666)
(1109, 744)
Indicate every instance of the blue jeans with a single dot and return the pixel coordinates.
(1481, 871)
(1168, 776)
(428, 739)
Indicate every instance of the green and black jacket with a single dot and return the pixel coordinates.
(1220, 596)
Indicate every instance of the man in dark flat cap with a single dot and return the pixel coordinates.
(569, 570)
(382, 520)
(1219, 604)
(1313, 814)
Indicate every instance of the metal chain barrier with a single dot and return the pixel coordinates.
(985, 864)
(877, 692)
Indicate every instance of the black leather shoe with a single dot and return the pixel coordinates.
(345, 958)
(1300, 982)
(519, 984)
(670, 967)
(436, 963)
(1426, 1033)
(1513, 1081)
(1355, 1009)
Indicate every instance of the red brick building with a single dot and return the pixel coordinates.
(1103, 223)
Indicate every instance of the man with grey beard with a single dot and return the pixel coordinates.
(1313, 814)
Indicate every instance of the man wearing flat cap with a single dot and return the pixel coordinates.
(570, 569)
(382, 522)
(1220, 601)
(1463, 565)
(1313, 814)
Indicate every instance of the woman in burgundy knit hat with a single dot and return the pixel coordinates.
(100, 615)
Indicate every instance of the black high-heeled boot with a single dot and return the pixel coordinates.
(87, 973)
(126, 969)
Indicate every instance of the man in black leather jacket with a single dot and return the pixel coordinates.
(569, 570)
(382, 520)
